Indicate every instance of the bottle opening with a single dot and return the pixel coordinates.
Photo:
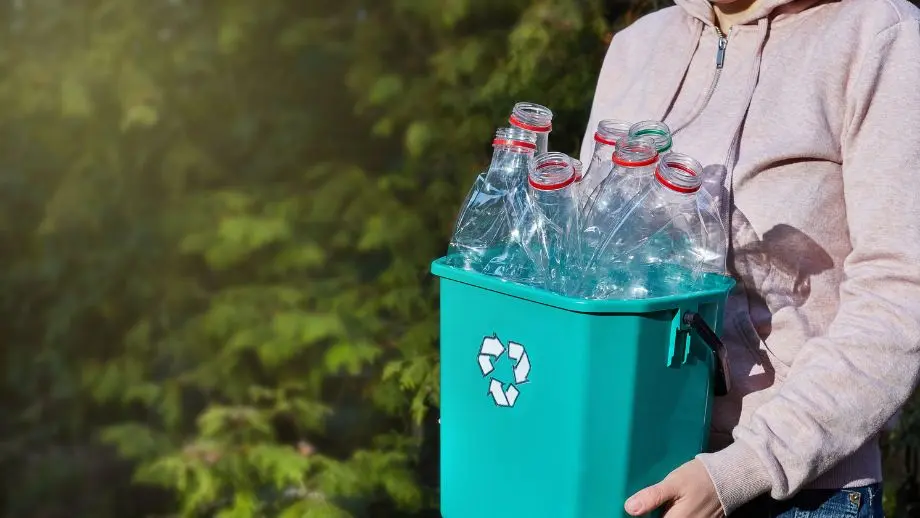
(532, 117)
(680, 173)
(553, 171)
(657, 131)
(609, 131)
(635, 151)
(516, 139)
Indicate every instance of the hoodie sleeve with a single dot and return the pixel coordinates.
(846, 384)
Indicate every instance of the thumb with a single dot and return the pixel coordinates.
(650, 498)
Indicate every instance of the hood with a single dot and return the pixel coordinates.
(702, 9)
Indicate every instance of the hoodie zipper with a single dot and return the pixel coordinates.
(720, 62)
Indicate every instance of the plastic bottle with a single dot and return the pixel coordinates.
(538, 247)
(496, 201)
(553, 224)
(633, 161)
(665, 240)
(535, 118)
(608, 132)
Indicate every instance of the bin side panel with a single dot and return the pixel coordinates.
(670, 421)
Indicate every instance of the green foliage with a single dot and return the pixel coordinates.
(221, 217)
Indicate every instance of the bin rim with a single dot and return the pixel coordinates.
(440, 269)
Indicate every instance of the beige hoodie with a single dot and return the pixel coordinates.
(812, 127)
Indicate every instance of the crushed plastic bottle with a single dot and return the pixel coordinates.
(634, 162)
(552, 226)
(535, 118)
(608, 132)
(540, 249)
(662, 244)
(496, 202)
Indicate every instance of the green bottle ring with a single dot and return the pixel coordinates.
(656, 132)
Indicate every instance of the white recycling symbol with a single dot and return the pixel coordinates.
(491, 350)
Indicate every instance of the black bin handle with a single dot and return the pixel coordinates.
(721, 381)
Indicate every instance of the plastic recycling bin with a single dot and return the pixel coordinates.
(555, 407)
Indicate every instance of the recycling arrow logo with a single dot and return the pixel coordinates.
(491, 350)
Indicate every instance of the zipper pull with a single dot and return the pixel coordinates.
(720, 53)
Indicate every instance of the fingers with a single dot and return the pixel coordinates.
(650, 498)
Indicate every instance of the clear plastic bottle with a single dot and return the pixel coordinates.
(541, 251)
(496, 202)
(554, 195)
(634, 161)
(657, 131)
(608, 132)
(535, 118)
(695, 218)
(665, 240)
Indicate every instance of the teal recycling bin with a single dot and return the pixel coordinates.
(555, 407)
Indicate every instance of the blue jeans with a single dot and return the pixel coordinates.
(860, 502)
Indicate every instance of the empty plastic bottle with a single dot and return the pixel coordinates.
(634, 161)
(535, 118)
(496, 201)
(543, 248)
(553, 194)
(664, 241)
(658, 131)
(609, 131)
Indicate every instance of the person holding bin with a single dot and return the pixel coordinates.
(805, 116)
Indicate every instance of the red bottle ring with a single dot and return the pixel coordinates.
(513, 143)
(599, 139)
(529, 127)
(677, 188)
(639, 163)
(553, 187)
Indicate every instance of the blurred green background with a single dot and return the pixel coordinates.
(217, 219)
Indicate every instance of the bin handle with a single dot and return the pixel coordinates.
(721, 380)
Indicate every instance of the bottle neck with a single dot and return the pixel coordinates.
(603, 151)
(532, 117)
(552, 175)
(680, 174)
(543, 142)
(542, 136)
(538, 126)
(511, 163)
(609, 132)
(657, 131)
(635, 152)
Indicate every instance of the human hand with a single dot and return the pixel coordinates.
(687, 492)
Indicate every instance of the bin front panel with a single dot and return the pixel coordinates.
(513, 406)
